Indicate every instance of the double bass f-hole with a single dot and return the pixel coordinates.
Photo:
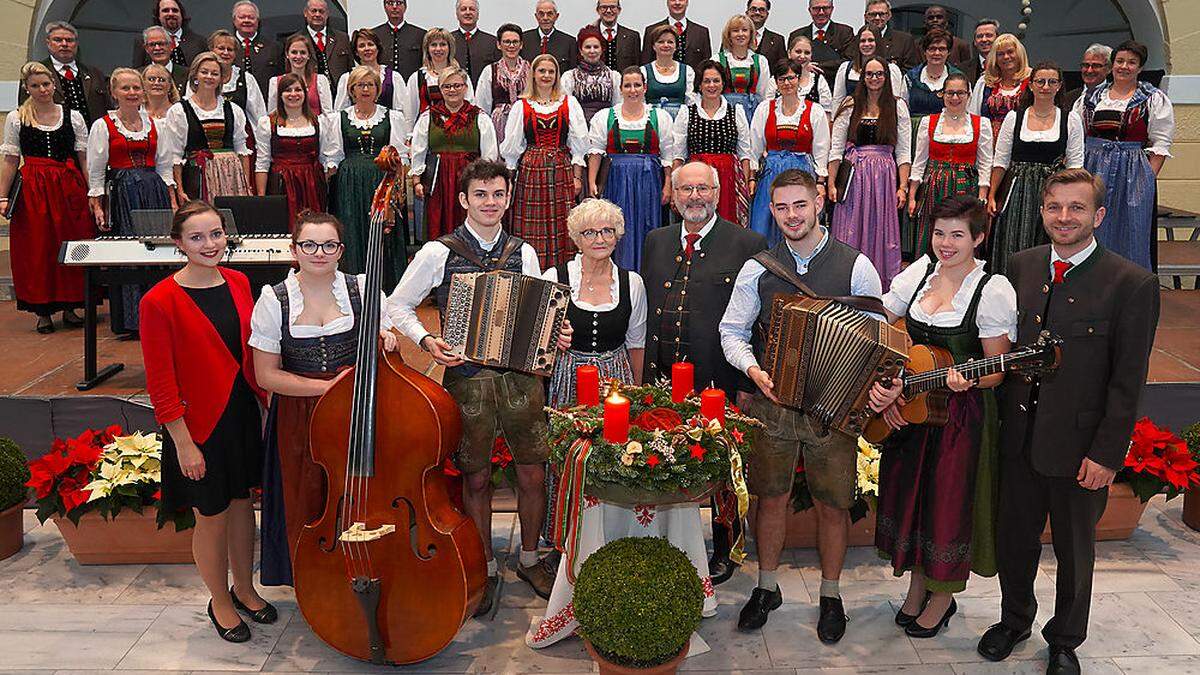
(414, 533)
(323, 542)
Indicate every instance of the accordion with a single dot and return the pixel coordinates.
(824, 356)
(505, 320)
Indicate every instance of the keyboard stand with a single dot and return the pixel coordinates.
(92, 377)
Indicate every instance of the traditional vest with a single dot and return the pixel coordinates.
(208, 134)
(600, 331)
(125, 153)
(1040, 152)
(547, 130)
(670, 92)
(465, 140)
(631, 141)
(954, 153)
(427, 94)
(962, 340)
(743, 79)
(705, 136)
(1131, 125)
(318, 354)
(386, 90)
(58, 145)
(73, 96)
(792, 138)
(291, 150)
(367, 142)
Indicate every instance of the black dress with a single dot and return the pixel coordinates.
(233, 453)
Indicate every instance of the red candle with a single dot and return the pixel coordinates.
(712, 404)
(616, 418)
(683, 380)
(587, 385)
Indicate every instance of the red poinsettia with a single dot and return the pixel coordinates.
(648, 399)
(697, 452)
(60, 476)
(1158, 461)
(658, 418)
(1179, 469)
(653, 461)
(501, 454)
(1141, 458)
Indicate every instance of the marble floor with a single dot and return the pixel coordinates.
(56, 615)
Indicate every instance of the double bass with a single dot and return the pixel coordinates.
(391, 569)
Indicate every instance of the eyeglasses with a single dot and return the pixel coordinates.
(310, 247)
(876, 15)
(394, 3)
(701, 190)
(874, 75)
(786, 78)
(605, 232)
(453, 86)
(157, 43)
(938, 48)
(1047, 81)
(156, 79)
(511, 43)
(958, 93)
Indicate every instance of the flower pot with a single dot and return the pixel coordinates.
(130, 538)
(1120, 518)
(609, 668)
(1191, 508)
(12, 531)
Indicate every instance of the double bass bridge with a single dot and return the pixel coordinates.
(358, 533)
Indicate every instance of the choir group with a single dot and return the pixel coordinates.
(646, 172)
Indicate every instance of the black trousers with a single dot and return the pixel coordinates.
(1026, 498)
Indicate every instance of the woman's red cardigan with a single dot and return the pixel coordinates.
(189, 370)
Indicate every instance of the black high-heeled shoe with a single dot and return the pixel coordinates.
(916, 630)
(239, 633)
(903, 620)
(45, 325)
(267, 614)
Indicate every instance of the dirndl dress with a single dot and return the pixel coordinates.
(997, 104)
(133, 183)
(506, 87)
(788, 147)
(543, 193)
(296, 172)
(634, 183)
(668, 96)
(743, 86)
(867, 218)
(212, 169)
(951, 171)
(453, 144)
(714, 142)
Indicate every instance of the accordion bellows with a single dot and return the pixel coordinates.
(505, 320)
(824, 356)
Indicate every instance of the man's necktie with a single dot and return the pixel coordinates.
(690, 247)
(246, 48)
(68, 74)
(545, 44)
(679, 28)
(467, 36)
(1060, 270)
(820, 35)
(321, 41)
(608, 32)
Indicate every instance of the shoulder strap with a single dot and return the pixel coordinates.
(511, 246)
(457, 246)
(859, 302)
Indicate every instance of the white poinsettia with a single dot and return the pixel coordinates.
(127, 460)
(868, 468)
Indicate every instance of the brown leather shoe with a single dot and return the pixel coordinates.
(538, 577)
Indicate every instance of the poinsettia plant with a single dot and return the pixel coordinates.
(504, 470)
(1158, 461)
(102, 471)
(867, 490)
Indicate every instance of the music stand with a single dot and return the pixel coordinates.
(257, 215)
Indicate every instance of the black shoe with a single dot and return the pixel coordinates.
(916, 630)
(831, 626)
(267, 614)
(1062, 661)
(489, 596)
(239, 633)
(999, 640)
(70, 319)
(760, 604)
(45, 325)
(721, 568)
(903, 619)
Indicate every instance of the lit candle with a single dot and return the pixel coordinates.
(587, 385)
(683, 380)
(712, 404)
(616, 418)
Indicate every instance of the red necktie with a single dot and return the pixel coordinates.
(545, 44)
(174, 44)
(321, 41)
(467, 36)
(246, 47)
(690, 247)
(68, 73)
(1060, 270)
(820, 35)
(679, 28)
(609, 33)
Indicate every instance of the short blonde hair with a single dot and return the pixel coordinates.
(361, 73)
(991, 69)
(594, 213)
(172, 90)
(732, 23)
(531, 83)
(432, 35)
(201, 59)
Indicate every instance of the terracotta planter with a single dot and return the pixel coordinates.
(1120, 518)
(129, 538)
(607, 668)
(12, 531)
(1191, 508)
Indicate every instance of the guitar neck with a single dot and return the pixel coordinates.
(971, 370)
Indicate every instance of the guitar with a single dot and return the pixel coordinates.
(925, 390)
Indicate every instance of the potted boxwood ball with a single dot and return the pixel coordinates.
(638, 601)
(14, 473)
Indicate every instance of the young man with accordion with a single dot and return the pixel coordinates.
(807, 261)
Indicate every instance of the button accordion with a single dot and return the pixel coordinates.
(823, 357)
(505, 320)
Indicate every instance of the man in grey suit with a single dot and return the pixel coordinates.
(547, 39)
(335, 54)
(832, 42)
(473, 48)
(986, 32)
(768, 43)
(694, 44)
(624, 47)
(1063, 438)
(894, 45)
(399, 41)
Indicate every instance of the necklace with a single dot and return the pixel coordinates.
(955, 118)
(590, 284)
(1040, 116)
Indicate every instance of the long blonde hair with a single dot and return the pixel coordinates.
(991, 69)
(25, 110)
(531, 83)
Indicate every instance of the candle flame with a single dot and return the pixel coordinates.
(614, 391)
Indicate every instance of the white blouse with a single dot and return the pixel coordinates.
(323, 93)
(841, 127)
(256, 105)
(817, 119)
(483, 90)
(847, 74)
(598, 135)
(635, 334)
(1004, 142)
(996, 314)
(331, 133)
(514, 131)
(177, 125)
(266, 322)
(983, 150)
(680, 129)
(765, 88)
(262, 138)
(341, 99)
(412, 100)
(97, 152)
(12, 131)
(824, 95)
(420, 141)
(568, 85)
(1160, 125)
